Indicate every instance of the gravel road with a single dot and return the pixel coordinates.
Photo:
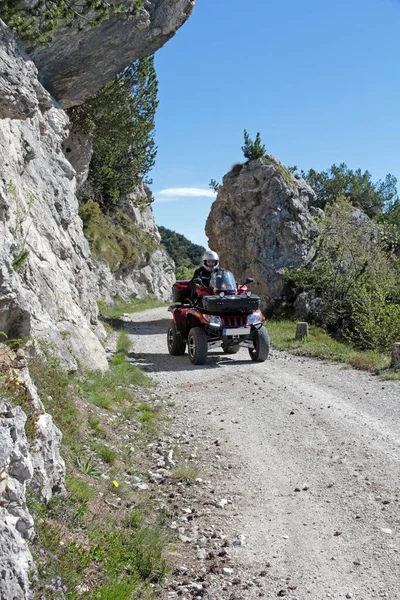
(306, 457)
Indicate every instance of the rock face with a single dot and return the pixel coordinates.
(37, 461)
(79, 63)
(154, 275)
(260, 224)
(16, 524)
(48, 288)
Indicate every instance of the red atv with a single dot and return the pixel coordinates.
(222, 315)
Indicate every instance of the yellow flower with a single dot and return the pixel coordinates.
(115, 483)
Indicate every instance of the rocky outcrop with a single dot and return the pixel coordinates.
(261, 224)
(80, 62)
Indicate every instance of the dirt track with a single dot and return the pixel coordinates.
(307, 455)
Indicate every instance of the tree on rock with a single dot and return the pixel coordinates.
(252, 150)
(121, 116)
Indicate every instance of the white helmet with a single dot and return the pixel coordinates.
(210, 255)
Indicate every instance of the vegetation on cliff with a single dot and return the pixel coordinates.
(116, 240)
(37, 22)
(252, 150)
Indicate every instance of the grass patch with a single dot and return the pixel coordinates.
(79, 490)
(117, 564)
(185, 472)
(147, 413)
(97, 429)
(116, 386)
(57, 394)
(108, 455)
(393, 374)
(87, 466)
(320, 344)
(124, 343)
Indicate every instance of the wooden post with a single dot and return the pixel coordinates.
(396, 356)
(301, 331)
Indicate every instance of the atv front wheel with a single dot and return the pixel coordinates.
(197, 346)
(176, 346)
(261, 346)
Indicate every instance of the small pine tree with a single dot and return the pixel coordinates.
(214, 185)
(252, 150)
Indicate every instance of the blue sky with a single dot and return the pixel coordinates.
(319, 80)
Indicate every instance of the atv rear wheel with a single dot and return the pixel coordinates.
(176, 346)
(231, 349)
(197, 346)
(261, 346)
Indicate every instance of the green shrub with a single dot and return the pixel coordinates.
(356, 277)
(184, 273)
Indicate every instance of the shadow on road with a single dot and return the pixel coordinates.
(147, 328)
(164, 362)
(161, 363)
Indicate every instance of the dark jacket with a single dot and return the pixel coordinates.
(204, 275)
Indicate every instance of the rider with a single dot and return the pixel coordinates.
(210, 265)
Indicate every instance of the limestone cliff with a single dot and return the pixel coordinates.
(261, 223)
(49, 285)
(47, 282)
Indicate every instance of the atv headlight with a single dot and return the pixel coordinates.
(255, 317)
(213, 320)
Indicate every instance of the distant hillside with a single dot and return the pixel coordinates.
(187, 256)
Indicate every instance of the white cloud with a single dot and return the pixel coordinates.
(187, 193)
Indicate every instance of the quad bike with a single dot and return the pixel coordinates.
(223, 315)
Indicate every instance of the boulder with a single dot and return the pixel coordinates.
(260, 224)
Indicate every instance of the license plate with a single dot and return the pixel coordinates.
(237, 331)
